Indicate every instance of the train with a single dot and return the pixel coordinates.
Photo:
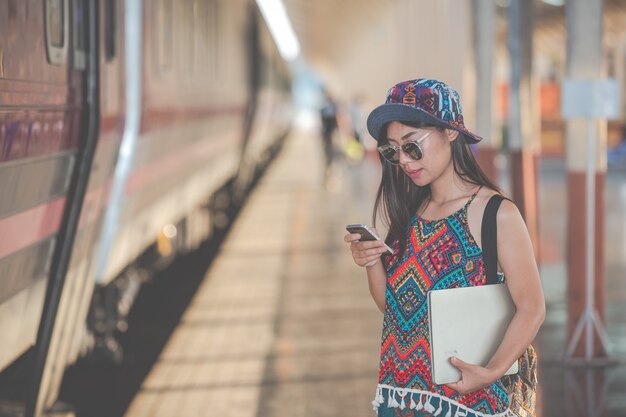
(128, 131)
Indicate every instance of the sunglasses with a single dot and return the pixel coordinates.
(392, 153)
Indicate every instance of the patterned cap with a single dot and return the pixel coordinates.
(421, 100)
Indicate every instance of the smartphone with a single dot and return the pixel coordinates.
(366, 233)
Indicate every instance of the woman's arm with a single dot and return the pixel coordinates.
(377, 279)
(517, 259)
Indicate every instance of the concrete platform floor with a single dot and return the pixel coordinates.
(283, 324)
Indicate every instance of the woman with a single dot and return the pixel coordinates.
(432, 196)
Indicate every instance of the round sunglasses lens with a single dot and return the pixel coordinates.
(413, 150)
(390, 154)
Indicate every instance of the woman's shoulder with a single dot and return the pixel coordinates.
(485, 194)
(507, 210)
(508, 216)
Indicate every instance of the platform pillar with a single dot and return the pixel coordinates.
(483, 38)
(584, 61)
(523, 121)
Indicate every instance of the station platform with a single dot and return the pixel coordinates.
(283, 324)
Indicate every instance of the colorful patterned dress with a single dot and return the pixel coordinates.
(440, 254)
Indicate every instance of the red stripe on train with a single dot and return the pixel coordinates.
(30, 226)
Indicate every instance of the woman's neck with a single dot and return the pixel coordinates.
(449, 188)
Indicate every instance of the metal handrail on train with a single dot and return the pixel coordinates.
(75, 198)
(132, 29)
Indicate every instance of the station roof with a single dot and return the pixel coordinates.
(352, 41)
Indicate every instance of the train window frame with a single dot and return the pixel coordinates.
(56, 52)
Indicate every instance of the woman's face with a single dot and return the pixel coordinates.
(436, 150)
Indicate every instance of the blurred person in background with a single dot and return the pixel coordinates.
(432, 197)
(328, 114)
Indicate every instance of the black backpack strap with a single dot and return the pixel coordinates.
(489, 238)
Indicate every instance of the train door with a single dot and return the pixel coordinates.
(81, 20)
(48, 131)
(43, 119)
(105, 87)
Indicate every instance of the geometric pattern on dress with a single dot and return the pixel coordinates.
(440, 254)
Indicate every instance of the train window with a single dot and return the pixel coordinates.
(55, 20)
(110, 29)
(79, 35)
(56, 30)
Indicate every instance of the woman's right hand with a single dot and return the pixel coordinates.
(366, 253)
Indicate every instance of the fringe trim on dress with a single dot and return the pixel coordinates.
(422, 400)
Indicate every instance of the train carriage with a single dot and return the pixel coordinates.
(120, 122)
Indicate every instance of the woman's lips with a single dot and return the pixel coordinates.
(414, 173)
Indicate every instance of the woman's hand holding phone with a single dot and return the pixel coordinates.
(367, 246)
(365, 253)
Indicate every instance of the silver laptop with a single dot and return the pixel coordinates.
(468, 323)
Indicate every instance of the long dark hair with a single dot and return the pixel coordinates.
(398, 198)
